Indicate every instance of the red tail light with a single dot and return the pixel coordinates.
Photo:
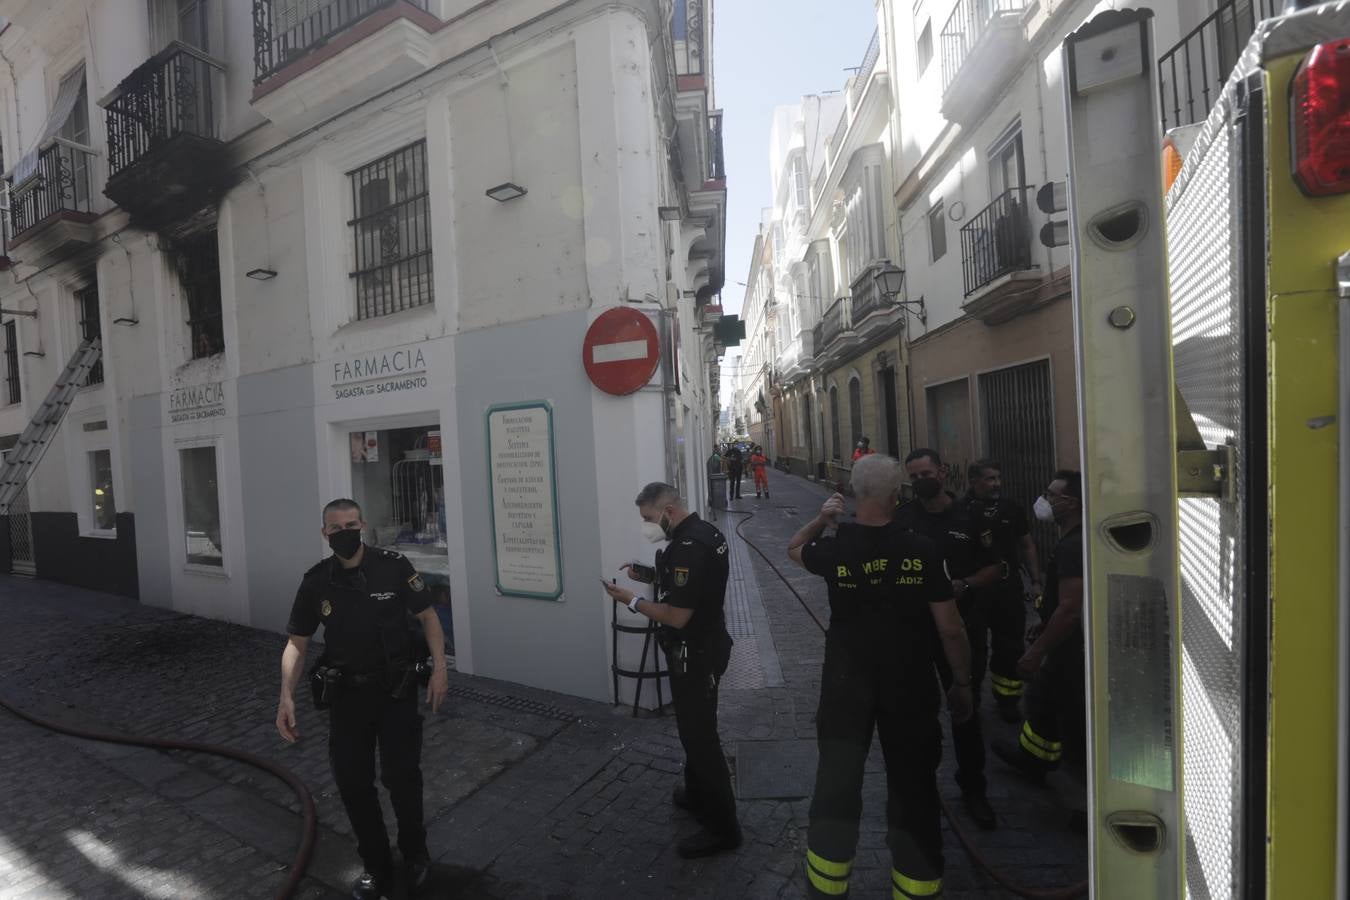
(1321, 112)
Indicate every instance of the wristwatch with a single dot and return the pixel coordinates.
(632, 604)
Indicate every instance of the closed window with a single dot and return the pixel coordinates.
(201, 506)
(86, 307)
(923, 51)
(937, 232)
(104, 507)
(391, 233)
(12, 361)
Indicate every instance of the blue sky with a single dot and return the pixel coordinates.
(767, 54)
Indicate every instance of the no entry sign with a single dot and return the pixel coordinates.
(621, 351)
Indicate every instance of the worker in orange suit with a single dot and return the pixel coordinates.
(759, 465)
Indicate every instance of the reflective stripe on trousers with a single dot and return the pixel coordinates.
(1006, 687)
(826, 876)
(1046, 751)
(906, 888)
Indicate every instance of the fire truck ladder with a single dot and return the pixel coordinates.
(33, 443)
(1122, 320)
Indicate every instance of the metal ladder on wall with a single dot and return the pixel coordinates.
(33, 443)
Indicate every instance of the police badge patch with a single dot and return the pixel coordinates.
(416, 582)
(326, 609)
(987, 538)
(681, 577)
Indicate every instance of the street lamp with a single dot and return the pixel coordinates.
(890, 282)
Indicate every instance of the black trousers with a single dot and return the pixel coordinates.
(707, 780)
(968, 737)
(1007, 620)
(362, 719)
(856, 698)
(734, 483)
(1056, 707)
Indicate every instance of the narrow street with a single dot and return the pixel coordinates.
(529, 794)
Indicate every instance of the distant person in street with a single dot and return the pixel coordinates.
(364, 598)
(887, 592)
(759, 467)
(1054, 661)
(973, 567)
(864, 448)
(1006, 521)
(735, 467)
(691, 583)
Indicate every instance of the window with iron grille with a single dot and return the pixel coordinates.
(86, 304)
(937, 232)
(391, 233)
(12, 361)
(198, 263)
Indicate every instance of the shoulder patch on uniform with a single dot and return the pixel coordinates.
(416, 582)
(681, 576)
(388, 554)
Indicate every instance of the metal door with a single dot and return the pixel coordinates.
(1018, 416)
(22, 561)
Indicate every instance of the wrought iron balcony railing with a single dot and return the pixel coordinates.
(284, 31)
(818, 338)
(171, 94)
(867, 295)
(997, 239)
(868, 64)
(966, 25)
(717, 167)
(61, 183)
(687, 35)
(837, 320)
(1191, 74)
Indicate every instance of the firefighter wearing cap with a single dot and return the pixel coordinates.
(887, 590)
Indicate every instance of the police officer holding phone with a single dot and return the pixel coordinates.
(691, 582)
(364, 597)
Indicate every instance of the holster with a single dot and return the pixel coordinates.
(324, 683)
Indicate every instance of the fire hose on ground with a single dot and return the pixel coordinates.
(1067, 893)
(309, 832)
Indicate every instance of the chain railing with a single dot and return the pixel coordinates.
(61, 182)
(997, 239)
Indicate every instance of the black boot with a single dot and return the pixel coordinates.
(707, 843)
(370, 887)
(979, 810)
(1014, 757)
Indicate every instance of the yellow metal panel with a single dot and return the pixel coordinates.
(1306, 237)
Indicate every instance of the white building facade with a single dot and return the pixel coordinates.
(336, 249)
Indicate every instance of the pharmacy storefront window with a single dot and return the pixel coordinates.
(398, 480)
(201, 507)
(101, 482)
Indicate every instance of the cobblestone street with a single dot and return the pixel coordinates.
(530, 795)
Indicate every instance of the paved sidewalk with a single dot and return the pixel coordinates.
(530, 795)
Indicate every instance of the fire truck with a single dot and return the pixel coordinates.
(1212, 306)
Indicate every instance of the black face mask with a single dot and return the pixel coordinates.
(927, 488)
(345, 543)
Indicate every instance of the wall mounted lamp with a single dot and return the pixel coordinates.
(506, 191)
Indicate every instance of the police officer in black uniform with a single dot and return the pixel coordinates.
(887, 592)
(365, 598)
(1054, 662)
(1005, 521)
(973, 567)
(691, 583)
(735, 468)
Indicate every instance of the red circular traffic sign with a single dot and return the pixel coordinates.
(621, 351)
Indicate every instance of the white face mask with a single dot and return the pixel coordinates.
(653, 532)
(1044, 511)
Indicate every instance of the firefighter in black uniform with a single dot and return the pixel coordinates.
(1005, 521)
(887, 590)
(973, 567)
(691, 584)
(365, 598)
(735, 467)
(1054, 661)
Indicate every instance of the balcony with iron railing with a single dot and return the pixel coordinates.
(283, 33)
(868, 299)
(869, 64)
(717, 168)
(996, 243)
(51, 206)
(982, 44)
(837, 322)
(1193, 72)
(166, 158)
